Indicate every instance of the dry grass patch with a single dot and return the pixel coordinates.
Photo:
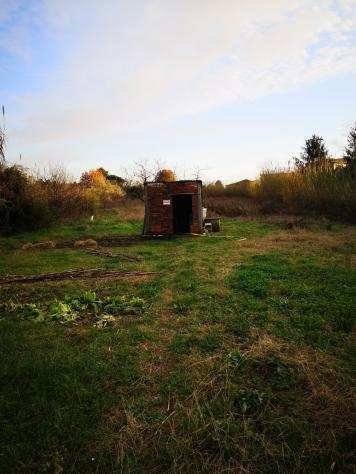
(131, 210)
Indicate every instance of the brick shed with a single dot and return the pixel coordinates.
(173, 207)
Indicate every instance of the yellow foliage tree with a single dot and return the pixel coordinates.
(93, 178)
(164, 176)
(100, 191)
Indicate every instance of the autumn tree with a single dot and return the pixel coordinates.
(113, 178)
(93, 178)
(165, 176)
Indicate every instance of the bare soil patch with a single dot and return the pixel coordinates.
(74, 274)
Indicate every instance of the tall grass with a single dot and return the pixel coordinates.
(320, 191)
(315, 191)
(230, 206)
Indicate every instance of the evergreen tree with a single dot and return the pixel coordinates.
(314, 153)
(350, 151)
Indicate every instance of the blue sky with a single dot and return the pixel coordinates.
(225, 87)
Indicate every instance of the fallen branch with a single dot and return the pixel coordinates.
(71, 274)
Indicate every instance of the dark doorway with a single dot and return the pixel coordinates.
(182, 213)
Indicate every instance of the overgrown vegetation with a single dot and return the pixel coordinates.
(236, 357)
(316, 186)
(314, 191)
(29, 202)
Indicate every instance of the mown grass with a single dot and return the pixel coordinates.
(240, 360)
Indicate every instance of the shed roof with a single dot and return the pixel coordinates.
(183, 181)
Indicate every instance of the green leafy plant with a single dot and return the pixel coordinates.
(123, 305)
(62, 312)
(27, 310)
(249, 401)
(87, 300)
(31, 311)
(89, 297)
(71, 309)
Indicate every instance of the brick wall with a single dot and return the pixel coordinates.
(159, 217)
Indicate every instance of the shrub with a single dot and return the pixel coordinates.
(28, 202)
(20, 206)
(103, 194)
(134, 191)
(99, 191)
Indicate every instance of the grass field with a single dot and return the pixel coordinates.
(236, 356)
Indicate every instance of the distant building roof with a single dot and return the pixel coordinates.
(239, 183)
(337, 162)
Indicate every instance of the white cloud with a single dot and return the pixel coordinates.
(137, 63)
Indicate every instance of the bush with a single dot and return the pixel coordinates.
(98, 190)
(28, 202)
(134, 191)
(21, 207)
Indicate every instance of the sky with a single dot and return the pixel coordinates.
(223, 88)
